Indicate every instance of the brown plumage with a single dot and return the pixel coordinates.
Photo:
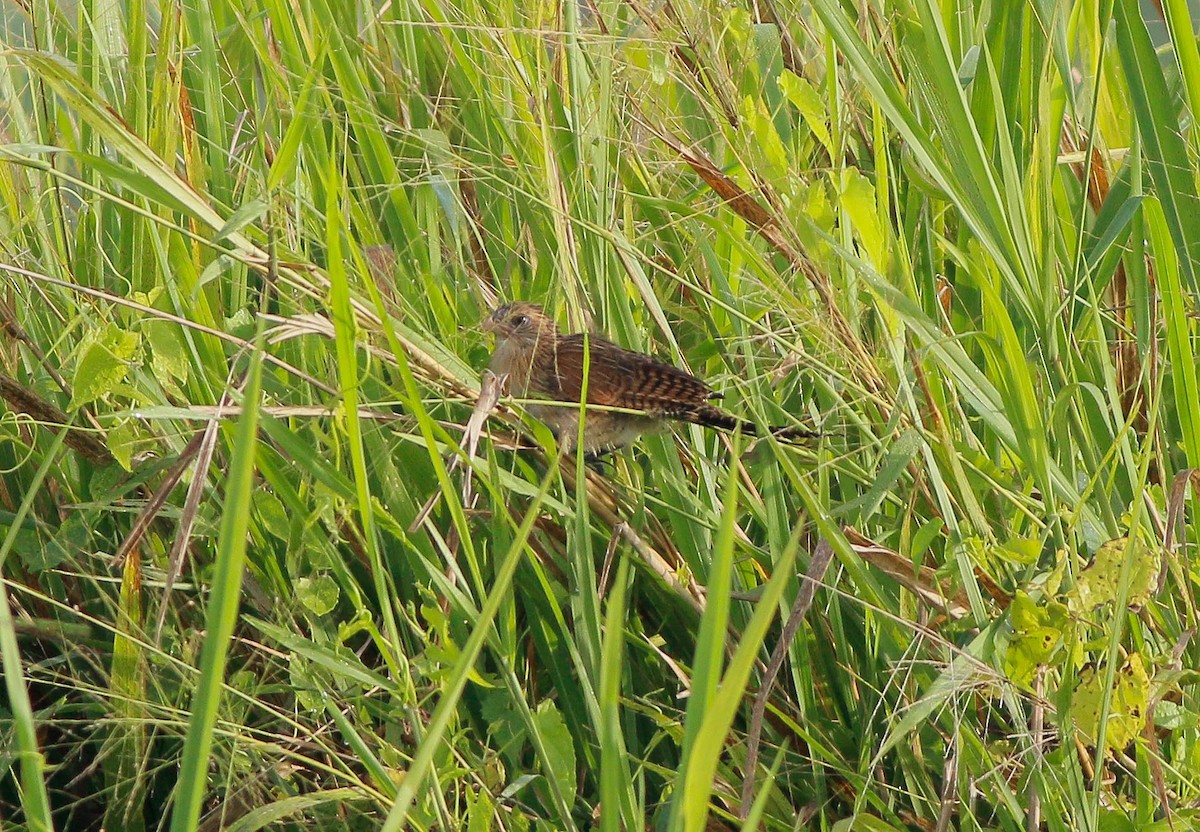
(542, 363)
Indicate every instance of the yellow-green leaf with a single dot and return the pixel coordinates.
(805, 98)
(1127, 708)
(1099, 583)
(766, 137)
(1036, 635)
(857, 196)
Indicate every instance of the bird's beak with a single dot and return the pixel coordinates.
(487, 324)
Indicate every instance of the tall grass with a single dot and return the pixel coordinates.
(245, 246)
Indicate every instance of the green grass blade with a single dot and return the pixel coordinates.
(687, 806)
(440, 719)
(713, 735)
(34, 799)
(225, 599)
(1159, 125)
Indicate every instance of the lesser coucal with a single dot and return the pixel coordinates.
(542, 363)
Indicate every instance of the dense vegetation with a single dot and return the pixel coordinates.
(261, 581)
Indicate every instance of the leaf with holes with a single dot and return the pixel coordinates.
(1100, 582)
(1035, 637)
(1127, 704)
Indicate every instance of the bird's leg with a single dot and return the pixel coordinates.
(600, 461)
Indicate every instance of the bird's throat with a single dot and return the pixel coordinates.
(514, 358)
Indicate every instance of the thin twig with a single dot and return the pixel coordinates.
(949, 787)
(1033, 815)
(804, 598)
(187, 517)
(157, 500)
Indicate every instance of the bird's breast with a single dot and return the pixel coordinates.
(515, 360)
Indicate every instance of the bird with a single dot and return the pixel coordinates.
(633, 393)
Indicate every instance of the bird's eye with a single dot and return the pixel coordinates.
(520, 320)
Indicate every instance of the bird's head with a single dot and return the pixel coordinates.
(522, 321)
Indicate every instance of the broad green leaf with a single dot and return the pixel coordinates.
(318, 594)
(1022, 550)
(480, 812)
(122, 442)
(104, 361)
(271, 514)
(1114, 820)
(560, 749)
(275, 813)
(808, 101)
(168, 353)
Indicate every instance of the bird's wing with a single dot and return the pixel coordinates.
(618, 377)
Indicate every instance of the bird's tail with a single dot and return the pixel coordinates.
(714, 417)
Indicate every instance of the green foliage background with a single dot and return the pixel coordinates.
(244, 247)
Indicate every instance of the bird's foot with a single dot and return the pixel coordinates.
(600, 461)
